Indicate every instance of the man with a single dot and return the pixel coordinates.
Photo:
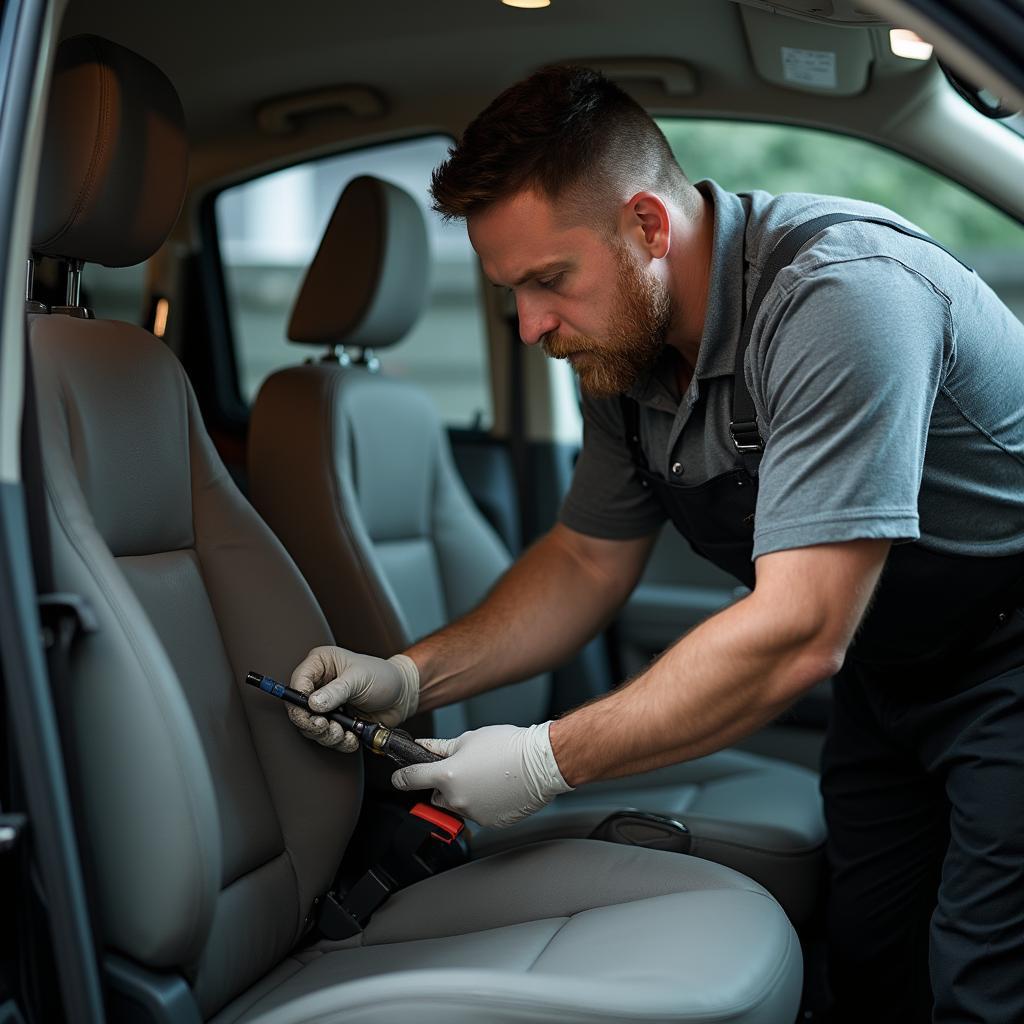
(857, 417)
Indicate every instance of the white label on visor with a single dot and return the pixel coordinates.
(809, 67)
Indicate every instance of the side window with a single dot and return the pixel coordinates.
(269, 230)
(779, 158)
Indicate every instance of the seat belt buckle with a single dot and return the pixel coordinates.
(449, 827)
(341, 917)
(427, 842)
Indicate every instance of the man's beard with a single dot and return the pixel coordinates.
(636, 334)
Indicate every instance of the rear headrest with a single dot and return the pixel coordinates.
(114, 163)
(368, 281)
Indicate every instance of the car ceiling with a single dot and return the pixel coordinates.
(438, 62)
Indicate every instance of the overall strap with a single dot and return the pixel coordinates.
(743, 426)
(631, 428)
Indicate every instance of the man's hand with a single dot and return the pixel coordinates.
(384, 691)
(496, 775)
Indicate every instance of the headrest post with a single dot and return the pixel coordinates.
(332, 355)
(31, 306)
(73, 292)
(365, 357)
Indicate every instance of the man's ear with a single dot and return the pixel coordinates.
(646, 219)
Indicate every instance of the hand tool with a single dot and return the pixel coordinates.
(394, 743)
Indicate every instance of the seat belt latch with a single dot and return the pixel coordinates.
(425, 843)
(449, 827)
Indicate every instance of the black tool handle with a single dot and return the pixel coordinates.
(404, 750)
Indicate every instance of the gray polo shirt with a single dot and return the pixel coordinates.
(891, 398)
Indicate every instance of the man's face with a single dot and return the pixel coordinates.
(582, 296)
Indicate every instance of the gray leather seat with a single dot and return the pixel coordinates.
(394, 547)
(211, 823)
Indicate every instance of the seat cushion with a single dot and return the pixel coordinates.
(572, 930)
(759, 815)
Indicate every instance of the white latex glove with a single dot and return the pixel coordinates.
(379, 690)
(496, 775)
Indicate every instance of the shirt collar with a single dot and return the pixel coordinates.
(716, 356)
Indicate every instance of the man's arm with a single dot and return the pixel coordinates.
(733, 673)
(550, 602)
(722, 681)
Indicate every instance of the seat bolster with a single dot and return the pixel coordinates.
(144, 778)
(272, 633)
(471, 558)
(301, 483)
(577, 875)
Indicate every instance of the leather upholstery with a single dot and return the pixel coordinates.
(212, 824)
(542, 952)
(114, 124)
(369, 297)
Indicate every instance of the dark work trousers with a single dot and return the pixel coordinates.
(923, 779)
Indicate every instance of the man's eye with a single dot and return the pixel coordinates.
(549, 282)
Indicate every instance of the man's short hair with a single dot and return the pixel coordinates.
(569, 134)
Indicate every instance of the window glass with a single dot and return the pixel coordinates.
(116, 292)
(269, 230)
(741, 156)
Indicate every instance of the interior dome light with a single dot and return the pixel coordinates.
(905, 43)
(528, 4)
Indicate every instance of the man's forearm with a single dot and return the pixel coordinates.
(719, 683)
(548, 604)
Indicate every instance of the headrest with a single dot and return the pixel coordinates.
(114, 163)
(368, 281)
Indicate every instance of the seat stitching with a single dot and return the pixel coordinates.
(557, 932)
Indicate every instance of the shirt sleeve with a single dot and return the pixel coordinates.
(858, 351)
(606, 498)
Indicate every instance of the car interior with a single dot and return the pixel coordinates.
(278, 406)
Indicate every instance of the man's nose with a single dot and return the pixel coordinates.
(534, 323)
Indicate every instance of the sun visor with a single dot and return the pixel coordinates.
(807, 56)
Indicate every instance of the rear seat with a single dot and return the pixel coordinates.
(394, 547)
(212, 825)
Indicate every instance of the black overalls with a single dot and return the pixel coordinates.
(923, 768)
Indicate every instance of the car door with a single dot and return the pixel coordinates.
(45, 920)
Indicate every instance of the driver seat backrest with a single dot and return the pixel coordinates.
(207, 853)
(353, 469)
